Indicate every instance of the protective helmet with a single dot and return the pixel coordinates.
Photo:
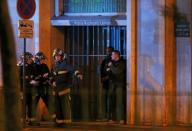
(58, 51)
(40, 56)
(28, 56)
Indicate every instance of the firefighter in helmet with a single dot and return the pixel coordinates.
(63, 74)
(42, 76)
(30, 73)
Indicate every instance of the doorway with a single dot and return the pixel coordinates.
(85, 46)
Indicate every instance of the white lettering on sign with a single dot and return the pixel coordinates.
(86, 22)
(182, 29)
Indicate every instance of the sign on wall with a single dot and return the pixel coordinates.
(182, 29)
(25, 28)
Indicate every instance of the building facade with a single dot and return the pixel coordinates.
(154, 36)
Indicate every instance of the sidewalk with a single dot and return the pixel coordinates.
(101, 126)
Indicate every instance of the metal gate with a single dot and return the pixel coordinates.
(85, 46)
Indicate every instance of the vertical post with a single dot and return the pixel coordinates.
(24, 89)
(61, 7)
(191, 59)
(191, 55)
(74, 44)
(133, 64)
(56, 8)
(170, 65)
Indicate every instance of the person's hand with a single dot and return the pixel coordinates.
(21, 95)
(108, 69)
(109, 64)
(45, 75)
(33, 82)
(80, 76)
(54, 84)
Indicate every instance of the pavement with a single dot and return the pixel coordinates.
(102, 126)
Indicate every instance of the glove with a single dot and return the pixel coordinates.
(54, 84)
(45, 75)
(80, 76)
(21, 95)
(33, 82)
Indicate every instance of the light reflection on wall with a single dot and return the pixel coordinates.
(184, 71)
(32, 44)
(150, 62)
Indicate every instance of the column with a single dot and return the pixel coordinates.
(56, 8)
(170, 65)
(132, 61)
(49, 37)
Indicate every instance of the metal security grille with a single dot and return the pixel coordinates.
(85, 46)
(94, 6)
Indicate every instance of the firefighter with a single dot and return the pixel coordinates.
(63, 74)
(29, 83)
(42, 76)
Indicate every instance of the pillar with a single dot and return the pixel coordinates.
(170, 65)
(49, 37)
(133, 64)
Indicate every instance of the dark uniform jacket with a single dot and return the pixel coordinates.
(118, 72)
(63, 75)
(30, 73)
(42, 69)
